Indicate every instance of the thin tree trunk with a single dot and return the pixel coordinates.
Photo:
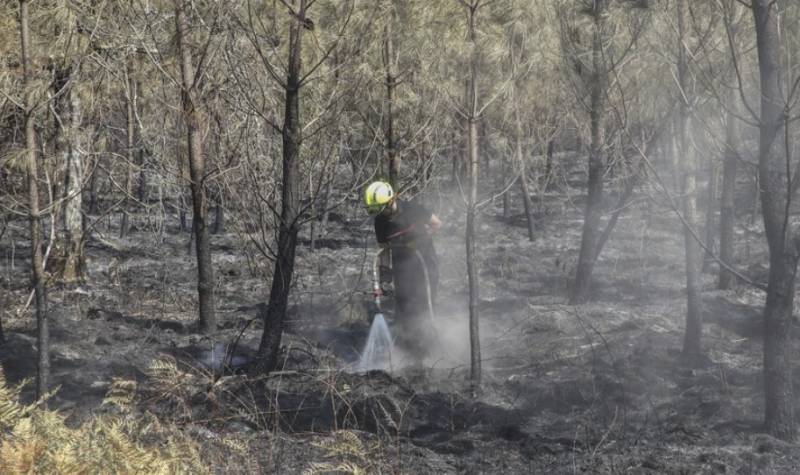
(483, 145)
(130, 144)
(523, 178)
(184, 222)
(194, 119)
(75, 260)
(190, 243)
(391, 83)
(2, 312)
(506, 175)
(275, 314)
(456, 158)
(37, 262)
(472, 271)
(219, 215)
(323, 226)
(181, 176)
(94, 183)
(591, 222)
(548, 169)
(141, 190)
(688, 176)
(727, 215)
(473, 149)
(67, 110)
(773, 161)
(711, 228)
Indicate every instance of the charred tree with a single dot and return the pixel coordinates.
(523, 178)
(94, 184)
(141, 188)
(597, 163)
(388, 57)
(783, 242)
(473, 160)
(67, 111)
(274, 315)
(711, 226)
(506, 175)
(219, 214)
(727, 214)
(2, 311)
(687, 173)
(548, 168)
(190, 102)
(131, 91)
(37, 262)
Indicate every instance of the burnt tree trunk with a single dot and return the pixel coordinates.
(67, 108)
(75, 260)
(597, 166)
(505, 176)
(688, 181)
(391, 84)
(773, 162)
(456, 158)
(141, 188)
(548, 168)
(2, 311)
(94, 184)
(274, 315)
(711, 227)
(523, 177)
(130, 144)
(219, 214)
(472, 267)
(727, 214)
(473, 157)
(192, 115)
(37, 263)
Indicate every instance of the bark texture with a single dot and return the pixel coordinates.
(727, 214)
(597, 166)
(773, 162)
(193, 117)
(687, 173)
(391, 84)
(473, 157)
(274, 315)
(37, 263)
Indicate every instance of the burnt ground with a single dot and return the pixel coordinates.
(594, 388)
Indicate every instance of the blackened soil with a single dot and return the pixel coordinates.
(599, 387)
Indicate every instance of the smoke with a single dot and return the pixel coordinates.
(452, 341)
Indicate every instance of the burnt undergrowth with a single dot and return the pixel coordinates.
(598, 387)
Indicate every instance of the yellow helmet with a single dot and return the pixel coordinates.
(377, 196)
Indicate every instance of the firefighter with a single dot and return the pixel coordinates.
(406, 229)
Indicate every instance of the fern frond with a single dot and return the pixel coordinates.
(344, 467)
(10, 409)
(121, 394)
(36, 440)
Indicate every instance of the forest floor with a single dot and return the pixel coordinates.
(593, 388)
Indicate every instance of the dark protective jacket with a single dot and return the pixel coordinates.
(408, 239)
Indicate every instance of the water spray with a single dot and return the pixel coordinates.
(377, 352)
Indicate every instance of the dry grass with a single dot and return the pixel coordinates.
(36, 440)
